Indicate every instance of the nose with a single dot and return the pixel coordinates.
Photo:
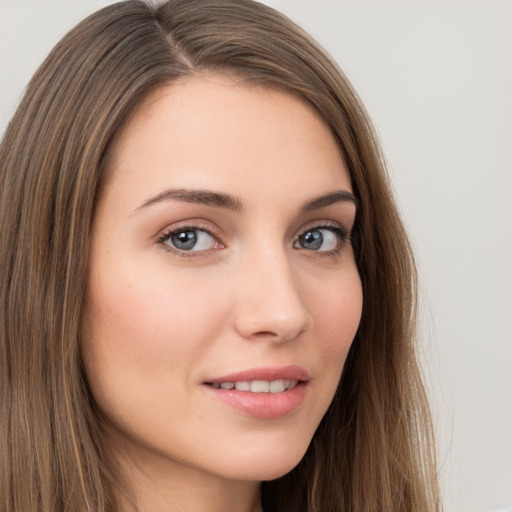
(269, 302)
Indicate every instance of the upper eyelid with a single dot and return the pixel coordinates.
(187, 226)
(338, 229)
(323, 223)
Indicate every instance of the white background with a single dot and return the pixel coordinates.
(436, 77)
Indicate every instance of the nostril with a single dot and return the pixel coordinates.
(265, 333)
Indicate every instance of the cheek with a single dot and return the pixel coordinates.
(145, 327)
(336, 311)
(149, 308)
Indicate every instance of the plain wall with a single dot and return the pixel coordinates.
(436, 77)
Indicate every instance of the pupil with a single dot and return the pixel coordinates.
(312, 240)
(184, 240)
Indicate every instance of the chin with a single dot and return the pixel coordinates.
(267, 465)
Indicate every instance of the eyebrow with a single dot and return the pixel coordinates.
(229, 202)
(204, 197)
(338, 196)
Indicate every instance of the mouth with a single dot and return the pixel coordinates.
(267, 393)
(257, 386)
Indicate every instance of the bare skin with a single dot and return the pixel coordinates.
(221, 254)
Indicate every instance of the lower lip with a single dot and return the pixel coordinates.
(262, 405)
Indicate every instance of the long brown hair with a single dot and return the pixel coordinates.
(373, 451)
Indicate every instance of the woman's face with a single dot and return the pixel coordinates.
(223, 294)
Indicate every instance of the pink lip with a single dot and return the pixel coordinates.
(291, 372)
(263, 405)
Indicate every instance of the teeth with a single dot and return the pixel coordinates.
(278, 386)
(243, 386)
(258, 386)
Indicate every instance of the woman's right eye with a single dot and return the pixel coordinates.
(190, 239)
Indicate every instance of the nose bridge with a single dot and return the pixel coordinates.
(270, 303)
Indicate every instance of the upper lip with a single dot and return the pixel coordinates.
(270, 373)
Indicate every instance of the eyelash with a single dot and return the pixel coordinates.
(341, 234)
(187, 227)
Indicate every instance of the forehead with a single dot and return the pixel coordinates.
(212, 132)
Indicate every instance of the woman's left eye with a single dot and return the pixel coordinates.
(190, 240)
(321, 239)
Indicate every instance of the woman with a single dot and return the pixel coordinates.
(194, 317)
